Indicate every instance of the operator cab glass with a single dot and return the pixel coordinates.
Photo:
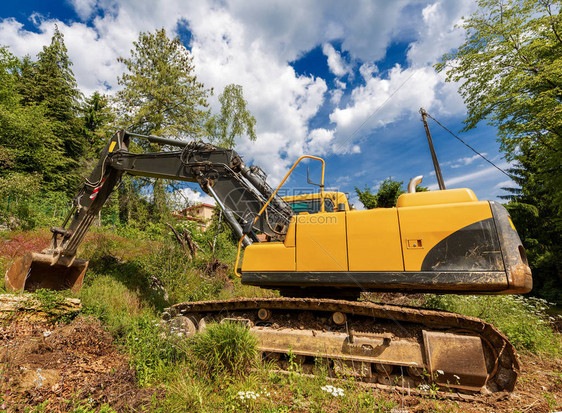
(312, 206)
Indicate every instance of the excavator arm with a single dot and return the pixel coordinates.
(240, 191)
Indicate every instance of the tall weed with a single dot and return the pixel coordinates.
(227, 347)
(113, 303)
(153, 353)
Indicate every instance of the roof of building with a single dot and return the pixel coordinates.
(199, 205)
(189, 218)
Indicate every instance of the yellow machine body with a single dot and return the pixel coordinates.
(432, 241)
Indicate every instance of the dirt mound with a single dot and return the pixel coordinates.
(66, 366)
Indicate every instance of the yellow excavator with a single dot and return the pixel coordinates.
(321, 255)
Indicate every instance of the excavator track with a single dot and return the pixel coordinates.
(387, 346)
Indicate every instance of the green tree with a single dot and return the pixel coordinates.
(531, 208)
(28, 143)
(161, 94)
(99, 121)
(233, 120)
(509, 69)
(510, 73)
(386, 196)
(49, 83)
(367, 198)
(52, 84)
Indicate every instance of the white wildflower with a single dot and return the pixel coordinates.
(242, 395)
(47, 333)
(440, 372)
(424, 387)
(334, 391)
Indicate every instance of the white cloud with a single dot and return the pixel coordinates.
(506, 184)
(319, 141)
(336, 96)
(339, 84)
(437, 34)
(366, 26)
(192, 197)
(367, 70)
(384, 100)
(335, 62)
(252, 43)
(84, 8)
(466, 161)
(472, 178)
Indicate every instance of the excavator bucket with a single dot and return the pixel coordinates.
(34, 271)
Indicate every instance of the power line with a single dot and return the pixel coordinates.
(470, 147)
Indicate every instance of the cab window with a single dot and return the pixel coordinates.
(312, 206)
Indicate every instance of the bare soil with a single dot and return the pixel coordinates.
(538, 390)
(66, 366)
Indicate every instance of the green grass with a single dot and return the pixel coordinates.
(154, 354)
(117, 306)
(524, 320)
(132, 278)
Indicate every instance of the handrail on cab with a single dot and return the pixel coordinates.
(322, 207)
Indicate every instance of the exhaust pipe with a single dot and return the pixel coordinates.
(413, 183)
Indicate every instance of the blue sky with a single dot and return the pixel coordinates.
(341, 80)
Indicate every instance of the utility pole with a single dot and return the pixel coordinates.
(432, 150)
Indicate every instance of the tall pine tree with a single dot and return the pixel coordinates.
(533, 211)
(99, 122)
(49, 83)
(28, 144)
(161, 96)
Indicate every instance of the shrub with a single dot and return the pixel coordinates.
(227, 347)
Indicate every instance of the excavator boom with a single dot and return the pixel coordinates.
(239, 190)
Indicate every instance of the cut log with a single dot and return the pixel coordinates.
(30, 307)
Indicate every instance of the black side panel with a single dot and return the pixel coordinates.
(475, 247)
(422, 281)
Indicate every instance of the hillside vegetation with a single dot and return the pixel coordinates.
(134, 275)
